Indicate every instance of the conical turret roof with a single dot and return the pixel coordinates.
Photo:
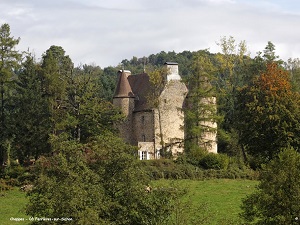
(123, 89)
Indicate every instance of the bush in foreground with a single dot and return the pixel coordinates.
(97, 183)
(276, 200)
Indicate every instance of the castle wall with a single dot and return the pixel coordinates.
(143, 126)
(209, 138)
(169, 117)
(125, 127)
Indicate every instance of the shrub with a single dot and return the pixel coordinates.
(4, 186)
(78, 177)
(214, 161)
(26, 178)
(181, 169)
(14, 171)
(276, 200)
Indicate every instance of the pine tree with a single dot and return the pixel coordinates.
(9, 59)
(56, 68)
(31, 114)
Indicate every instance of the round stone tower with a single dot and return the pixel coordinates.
(124, 99)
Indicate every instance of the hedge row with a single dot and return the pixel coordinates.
(169, 169)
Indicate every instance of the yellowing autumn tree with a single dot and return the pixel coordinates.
(274, 81)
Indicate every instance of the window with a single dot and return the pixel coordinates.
(157, 154)
(144, 155)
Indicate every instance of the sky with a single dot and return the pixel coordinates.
(104, 32)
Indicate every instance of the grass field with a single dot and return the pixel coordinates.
(217, 201)
(12, 205)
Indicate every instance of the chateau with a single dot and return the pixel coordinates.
(153, 128)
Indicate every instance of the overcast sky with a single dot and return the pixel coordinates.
(105, 32)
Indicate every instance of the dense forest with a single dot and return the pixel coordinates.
(61, 116)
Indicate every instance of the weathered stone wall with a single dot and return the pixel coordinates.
(125, 128)
(169, 117)
(209, 138)
(143, 127)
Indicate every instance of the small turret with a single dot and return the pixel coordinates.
(124, 100)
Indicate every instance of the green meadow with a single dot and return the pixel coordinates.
(214, 201)
(12, 205)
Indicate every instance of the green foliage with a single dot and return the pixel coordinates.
(183, 169)
(206, 202)
(4, 186)
(293, 66)
(168, 169)
(214, 161)
(56, 69)
(276, 200)
(99, 182)
(228, 142)
(267, 115)
(9, 59)
(201, 111)
(31, 114)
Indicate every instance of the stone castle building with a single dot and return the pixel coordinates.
(153, 128)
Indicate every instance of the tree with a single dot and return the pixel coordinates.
(97, 183)
(293, 66)
(88, 114)
(233, 72)
(31, 114)
(158, 82)
(269, 54)
(268, 114)
(9, 59)
(201, 112)
(56, 68)
(276, 200)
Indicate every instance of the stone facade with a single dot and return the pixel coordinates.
(152, 128)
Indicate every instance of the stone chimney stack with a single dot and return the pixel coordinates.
(172, 68)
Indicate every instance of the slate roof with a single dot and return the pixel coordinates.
(141, 86)
(135, 86)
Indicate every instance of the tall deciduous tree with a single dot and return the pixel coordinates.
(268, 114)
(293, 66)
(88, 114)
(9, 59)
(233, 72)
